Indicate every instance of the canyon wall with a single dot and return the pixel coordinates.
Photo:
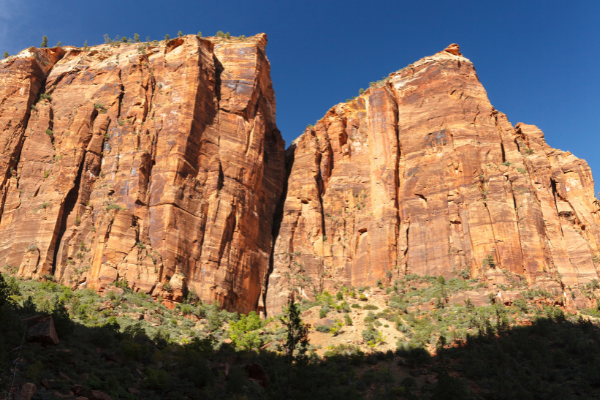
(160, 164)
(421, 175)
(156, 163)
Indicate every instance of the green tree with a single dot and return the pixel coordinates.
(6, 54)
(136, 38)
(167, 37)
(107, 39)
(59, 44)
(361, 91)
(220, 34)
(296, 343)
(348, 320)
(124, 40)
(199, 35)
(60, 316)
(244, 333)
(179, 34)
(4, 293)
(85, 46)
(44, 42)
(227, 35)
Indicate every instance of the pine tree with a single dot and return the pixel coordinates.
(44, 42)
(220, 34)
(167, 37)
(60, 316)
(136, 38)
(59, 44)
(348, 320)
(107, 39)
(199, 35)
(227, 35)
(6, 54)
(4, 293)
(85, 45)
(124, 40)
(179, 34)
(296, 344)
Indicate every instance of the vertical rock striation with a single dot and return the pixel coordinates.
(155, 163)
(421, 175)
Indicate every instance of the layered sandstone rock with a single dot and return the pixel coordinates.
(158, 163)
(421, 175)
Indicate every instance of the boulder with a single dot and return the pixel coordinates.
(98, 395)
(40, 329)
(257, 373)
(27, 391)
(324, 322)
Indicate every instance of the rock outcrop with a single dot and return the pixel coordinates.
(156, 163)
(160, 164)
(421, 175)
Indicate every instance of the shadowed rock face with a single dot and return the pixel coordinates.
(159, 164)
(421, 175)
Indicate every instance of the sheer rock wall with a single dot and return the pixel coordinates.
(421, 175)
(157, 163)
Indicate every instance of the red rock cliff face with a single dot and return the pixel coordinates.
(160, 164)
(421, 175)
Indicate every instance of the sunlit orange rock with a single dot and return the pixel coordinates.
(421, 175)
(157, 163)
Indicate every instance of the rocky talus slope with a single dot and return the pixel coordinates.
(159, 163)
(421, 175)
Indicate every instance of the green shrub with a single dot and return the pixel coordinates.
(156, 378)
(348, 320)
(243, 333)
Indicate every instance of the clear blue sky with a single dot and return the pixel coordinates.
(538, 60)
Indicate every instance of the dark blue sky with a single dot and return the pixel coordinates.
(538, 60)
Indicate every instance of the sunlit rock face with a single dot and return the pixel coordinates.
(159, 164)
(421, 175)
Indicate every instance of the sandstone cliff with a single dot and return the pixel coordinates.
(158, 163)
(421, 175)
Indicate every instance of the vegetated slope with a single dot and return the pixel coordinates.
(128, 346)
(421, 175)
(157, 163)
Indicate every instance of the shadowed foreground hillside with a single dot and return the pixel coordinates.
(197, 351)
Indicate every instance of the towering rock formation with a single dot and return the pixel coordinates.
(421, 175)
(157, 163)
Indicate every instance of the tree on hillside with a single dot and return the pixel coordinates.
(59, 44)
(296, 343)
(44, 42)
(136, 38)
(179, 34)
(167, 37)
(4, 293)
(6, 54)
